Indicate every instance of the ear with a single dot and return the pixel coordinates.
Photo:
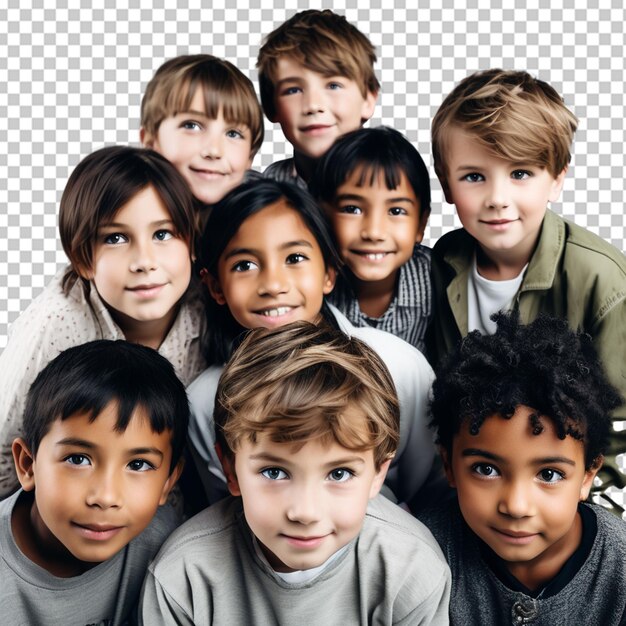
(421, 227)
(24, 462)
(172, 479)
(228, 465)
(146, 139)
(379, 479)
(213, 285)
(369, 104)
(447, 467)
(590, 475)
(557, 186)
(329, 280)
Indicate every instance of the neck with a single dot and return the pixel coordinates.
(503, 265)
(149, 333)
(375, 296)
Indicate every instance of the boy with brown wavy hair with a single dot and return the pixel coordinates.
(307, 421)
(317, 80)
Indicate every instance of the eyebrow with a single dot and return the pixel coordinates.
(355, 196)
(468, 452)
(254, 251)
(155, 224)
(83, 443)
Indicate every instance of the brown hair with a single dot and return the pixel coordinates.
(224, 87)
(322, 42)
(513, 115)
(101, 184)
(303, 382)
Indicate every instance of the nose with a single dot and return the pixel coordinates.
(143, 257)
(516, 500)
(304, 505)
(498, 194)
(213, 145)
(273, 281)
(313, 100)
(372, 227)
(104, 490)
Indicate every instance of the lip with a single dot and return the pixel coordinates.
(97, 532)
(498, 224)
(372, 256)
(146, 291)
(515, 537)
(315, 129)
(208, 174)
(305, 543)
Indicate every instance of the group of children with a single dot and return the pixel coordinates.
(301, 311)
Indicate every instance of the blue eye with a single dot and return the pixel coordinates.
(550, 475)
(191, 125)
(274, 473)
(115, 239)
(521, 174)
(335, 85)
(340, 475)
(77, 459)
(234, 134)
(244, 266)
(474, 177)
(163, 235)
(140, 465)
(485, 469)
(288, 91)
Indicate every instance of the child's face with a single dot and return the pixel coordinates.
(500, 203)
(303, 506)
(141, 268)
(96, 489)
(212, 155)
(313, 110)
(519, 492)
(272, 271)
(376, 228)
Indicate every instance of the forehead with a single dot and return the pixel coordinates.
(514, 441)
(145, 208)
(290, 68)
(370, 176)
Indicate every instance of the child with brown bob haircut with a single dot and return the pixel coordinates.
(202, 114)
(317, 80)
(501, 148)
(523, 421)
(307, 421)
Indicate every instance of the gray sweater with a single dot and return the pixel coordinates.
(595, 596)
(208, 572)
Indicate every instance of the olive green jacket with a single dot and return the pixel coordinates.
(572, 274)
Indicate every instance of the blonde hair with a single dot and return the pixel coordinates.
(322, 42)
(224, 87)
(303, 382)
(513, 115)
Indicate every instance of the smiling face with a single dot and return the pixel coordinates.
(304, 505)
(519, 492)
(376, 227)
(313, 110)
(500, 203)
(211, 154)
(96, 489)
(141, 268)
(272, 271)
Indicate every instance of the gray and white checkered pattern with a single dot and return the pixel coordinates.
(74, 78)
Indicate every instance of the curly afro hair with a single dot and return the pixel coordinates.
(544, 365)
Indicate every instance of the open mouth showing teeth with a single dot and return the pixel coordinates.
(281, 310)
(373, 256)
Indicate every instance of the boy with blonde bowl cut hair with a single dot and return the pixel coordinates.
(307, 421)
(523, 420)
(202, 114)
(317, 80)
(501, 147)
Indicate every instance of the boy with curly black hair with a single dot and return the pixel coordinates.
(523, 420)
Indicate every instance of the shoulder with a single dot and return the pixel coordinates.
(454, 242)
(612, 529)
(281, 170)
(205, 541)
(201, 391)
(401, 358)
